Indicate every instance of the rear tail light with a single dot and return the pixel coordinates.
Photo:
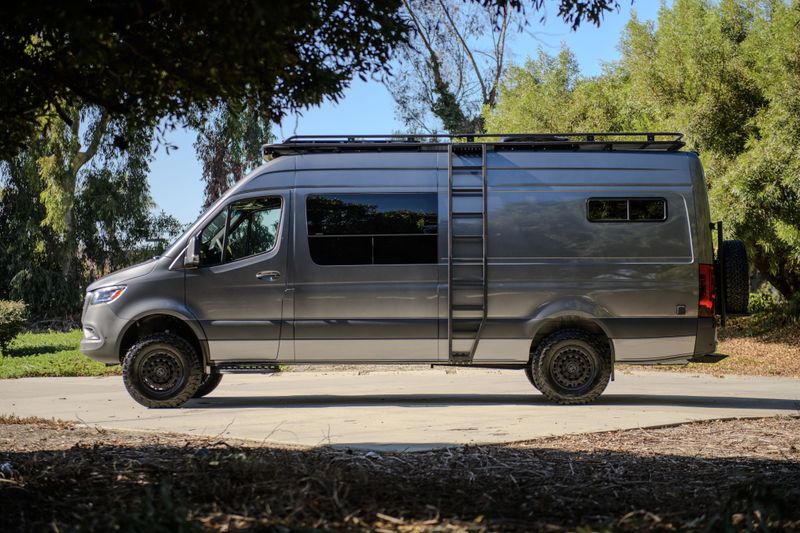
(705, 304)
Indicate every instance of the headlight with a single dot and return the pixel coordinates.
(107, 294)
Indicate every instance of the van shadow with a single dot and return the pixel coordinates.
(24, 351)
(429, 400)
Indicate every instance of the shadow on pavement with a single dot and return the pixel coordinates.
(427, 400)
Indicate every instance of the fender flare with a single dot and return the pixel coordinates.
(580, 308)
(176, 311)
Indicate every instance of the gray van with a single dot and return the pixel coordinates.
(556, 254)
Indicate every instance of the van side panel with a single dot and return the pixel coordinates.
(635, 280)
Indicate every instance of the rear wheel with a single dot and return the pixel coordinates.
(571, 367)
(161, 370)
(208, 384)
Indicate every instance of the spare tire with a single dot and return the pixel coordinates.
(736, 274)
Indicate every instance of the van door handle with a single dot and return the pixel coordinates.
(268, 275)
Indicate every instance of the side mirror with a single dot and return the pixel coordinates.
(191, 258)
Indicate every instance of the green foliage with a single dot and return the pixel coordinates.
(75, 207)
(12, 320)
(763, 301)
(725, 73)
(50, 354)
(150, 60)
(147, 61)
(46, 290)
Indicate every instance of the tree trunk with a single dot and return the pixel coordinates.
(70, 184)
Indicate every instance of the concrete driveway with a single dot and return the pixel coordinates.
(402, 410)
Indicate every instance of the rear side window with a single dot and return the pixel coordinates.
(372, 229)
(626, 209)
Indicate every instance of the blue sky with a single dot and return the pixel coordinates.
(368, 108)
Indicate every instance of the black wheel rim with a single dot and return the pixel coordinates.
(573, 368)
(162, 372)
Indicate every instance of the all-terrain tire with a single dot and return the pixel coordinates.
(208, 384)
(571, 366)
(529, 375)
(162, 370)
(736, 273)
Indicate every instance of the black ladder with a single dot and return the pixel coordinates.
(466, 251)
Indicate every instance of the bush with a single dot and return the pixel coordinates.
(764, 300)
(12, 321)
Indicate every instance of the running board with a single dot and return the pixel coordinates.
(247, 368)
(470, 364)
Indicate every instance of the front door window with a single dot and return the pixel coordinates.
(252, 228)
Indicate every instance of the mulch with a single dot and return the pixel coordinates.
(718, 475)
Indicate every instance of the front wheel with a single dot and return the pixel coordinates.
(571, 367)
(161, 370)
(208, 384)
(529, 375)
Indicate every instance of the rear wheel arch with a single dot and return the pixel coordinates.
(570, 322)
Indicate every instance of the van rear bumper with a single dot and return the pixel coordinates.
(706, 340)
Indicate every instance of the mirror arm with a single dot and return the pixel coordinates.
(191, 258)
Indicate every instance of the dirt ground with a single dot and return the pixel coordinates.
(720, 475)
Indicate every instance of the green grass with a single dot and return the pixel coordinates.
(50, 354)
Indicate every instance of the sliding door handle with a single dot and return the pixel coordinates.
(268, 275)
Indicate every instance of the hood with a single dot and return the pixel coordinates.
(126, 274)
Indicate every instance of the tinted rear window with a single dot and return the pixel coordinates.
(626, 209)
(364, 229)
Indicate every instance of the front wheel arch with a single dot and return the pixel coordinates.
(159, 322)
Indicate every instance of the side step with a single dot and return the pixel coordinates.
(247, 368)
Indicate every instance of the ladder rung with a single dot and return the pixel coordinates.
(460, 355)
(468, 167)
(468, 283)
(465, 237)
(467, 190)
(467, 308)
(464, 214)
(474, 325)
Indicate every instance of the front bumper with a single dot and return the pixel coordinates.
(102, 331)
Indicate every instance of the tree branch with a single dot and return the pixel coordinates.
(422, 35)
(81, 158)
(499, 60)
(466, 48)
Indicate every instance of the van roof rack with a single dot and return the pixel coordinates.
(598, 141)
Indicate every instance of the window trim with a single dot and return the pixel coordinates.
(627, 200)
(434, 193)
(227, 209)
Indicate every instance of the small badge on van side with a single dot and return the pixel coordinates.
(680, 309)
